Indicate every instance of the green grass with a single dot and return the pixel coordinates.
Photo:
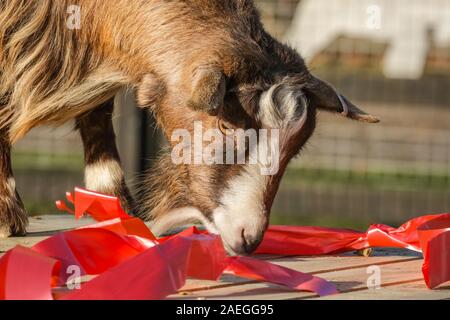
(278, 218)
(373, 180)
(40, 161)
(38, 208)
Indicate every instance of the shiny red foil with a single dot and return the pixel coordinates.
(427, 234)
(128, 262)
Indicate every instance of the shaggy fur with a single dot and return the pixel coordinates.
(13, 218)
(51, 74)
(187, 60)
(103, 172)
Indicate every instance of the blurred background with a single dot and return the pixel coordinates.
(392, 57)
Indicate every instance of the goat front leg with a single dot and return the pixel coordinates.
(13, 217)
(103, 172)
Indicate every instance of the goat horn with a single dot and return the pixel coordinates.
(326, 97)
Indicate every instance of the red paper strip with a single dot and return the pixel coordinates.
(291, 240)
(128, 226)
(153, 274)
(100, 206)
(435, 240)
(132, 264)
(93, 250)
(18, 270)
(288, 240)
(263, 271)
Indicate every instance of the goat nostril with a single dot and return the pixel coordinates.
(244, 240)
(249, 245)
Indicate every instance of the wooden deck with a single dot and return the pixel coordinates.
(400, 272)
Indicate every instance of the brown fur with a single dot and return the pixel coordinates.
(13, 218)
(97, 133)
(51, 74)
(188, 60)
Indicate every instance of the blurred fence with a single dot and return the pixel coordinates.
(354, 174)
(407, 141)
(50, 161)
(350, 174)
(47, 163)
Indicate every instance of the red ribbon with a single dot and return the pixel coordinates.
(130, 263)
(427, 234)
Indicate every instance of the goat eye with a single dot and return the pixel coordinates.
(225, 127)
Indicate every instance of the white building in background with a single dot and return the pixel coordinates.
(403, 24)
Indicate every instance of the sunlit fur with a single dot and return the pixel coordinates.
(185, 59)
(50, 74)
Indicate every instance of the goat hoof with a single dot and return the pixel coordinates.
(5, 232)
(13, 219)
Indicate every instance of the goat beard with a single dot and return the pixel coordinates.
(162, 187)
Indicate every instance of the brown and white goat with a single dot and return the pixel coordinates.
(187, 60)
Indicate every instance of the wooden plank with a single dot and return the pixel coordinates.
(326, 267)
(325, 264)
(55, 223)
(415, 290)
(43, 227)
(350, 280)
(314, 265)
(353, 280)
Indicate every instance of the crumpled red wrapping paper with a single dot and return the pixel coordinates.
(128, 262)
(427, 234)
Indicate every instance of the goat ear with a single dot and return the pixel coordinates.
(150, 91)
(208, 90)
(325, 97)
